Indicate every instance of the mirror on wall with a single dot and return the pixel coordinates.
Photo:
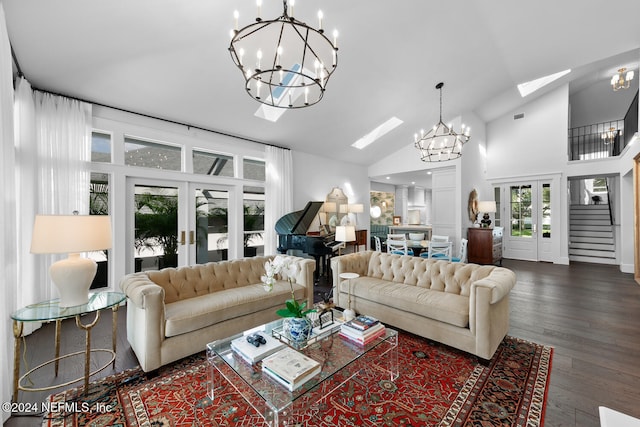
(334, 200)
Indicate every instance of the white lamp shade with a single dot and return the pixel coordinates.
(54, 234)
(486, 206)
(345, 233)
(57, 234)
(356, 208)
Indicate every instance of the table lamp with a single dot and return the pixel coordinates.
(71, 234)
(486, 207)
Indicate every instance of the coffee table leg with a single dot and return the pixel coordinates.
(87, 348)
(57, 363)
(17, 335)
(114, 331)
(392, 357)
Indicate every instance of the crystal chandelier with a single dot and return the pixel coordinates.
(285, 62)
(441, 143)
(620, 80)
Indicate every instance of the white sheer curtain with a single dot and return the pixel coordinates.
(8, 244)
(63, 147)
(278, 193)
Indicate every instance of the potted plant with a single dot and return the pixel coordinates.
(156, 225)
(296, 324)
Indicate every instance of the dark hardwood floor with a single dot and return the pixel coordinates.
(589, 313)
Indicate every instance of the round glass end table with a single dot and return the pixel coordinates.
(49, 311)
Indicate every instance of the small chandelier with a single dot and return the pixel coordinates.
(441, 143)
(285, 62)
(609, 136)
(620, 80)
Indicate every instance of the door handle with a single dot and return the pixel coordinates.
(182, 237)
(192, 238)
(534, 228)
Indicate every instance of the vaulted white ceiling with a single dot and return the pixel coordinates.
(170, 59)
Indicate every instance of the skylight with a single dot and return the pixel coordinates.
(377, 133)
(281, 96)
(532, 86)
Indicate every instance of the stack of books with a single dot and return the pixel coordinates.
(252, 353)
(362, 330)
(290, 368)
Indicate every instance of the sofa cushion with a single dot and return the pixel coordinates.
(193, 281)
(195, 313)
(433, 274)
(442, 306)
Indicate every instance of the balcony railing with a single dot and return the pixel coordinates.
(592, 141)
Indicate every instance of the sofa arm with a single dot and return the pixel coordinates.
(489, 310)
(145, 318)
(499, 282)
(142, 291)
(304, 275)
(352, 263)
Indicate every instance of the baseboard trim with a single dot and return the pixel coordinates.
(627, 268)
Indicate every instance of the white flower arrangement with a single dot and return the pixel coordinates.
(287, 268)
(279, 265)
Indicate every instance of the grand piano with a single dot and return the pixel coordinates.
(292, 230)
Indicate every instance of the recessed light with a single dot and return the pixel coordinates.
(377, 133)
(388, 177)
(428, 172)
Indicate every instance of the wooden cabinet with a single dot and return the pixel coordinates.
(361, 240)
(485, 245)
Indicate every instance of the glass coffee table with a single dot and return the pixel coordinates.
(340, 360)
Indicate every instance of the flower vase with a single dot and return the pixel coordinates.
(297, 329)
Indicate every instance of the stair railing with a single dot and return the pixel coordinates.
(606, 182)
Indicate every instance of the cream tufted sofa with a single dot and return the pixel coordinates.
(173, 313)
(462, 305)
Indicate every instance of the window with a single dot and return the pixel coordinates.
(100, 147)
(99, 205)
(520, 200)
(152, 155)
(546, 211)
(212, 164)
(496, 197)
(254, 169)
(253, 207)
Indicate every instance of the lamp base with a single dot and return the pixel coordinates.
(349, 314)
(486, 220)
(73, 277)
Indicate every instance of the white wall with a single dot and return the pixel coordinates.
(474, 168)
(315, 176)
(536, 144)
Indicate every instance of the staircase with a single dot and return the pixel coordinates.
(591, 234)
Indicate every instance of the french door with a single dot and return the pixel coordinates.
(173, 223)
(526, 212)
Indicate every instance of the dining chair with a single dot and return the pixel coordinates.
(435, 238)
(397, 244)
(378, 243)
(462, 253)
(440, 250)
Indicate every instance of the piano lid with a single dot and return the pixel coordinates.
(298, 222)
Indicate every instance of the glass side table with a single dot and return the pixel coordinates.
(48, 311)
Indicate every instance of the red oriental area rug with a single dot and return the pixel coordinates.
(438, 386)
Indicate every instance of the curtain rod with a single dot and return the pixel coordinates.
(188, 126)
